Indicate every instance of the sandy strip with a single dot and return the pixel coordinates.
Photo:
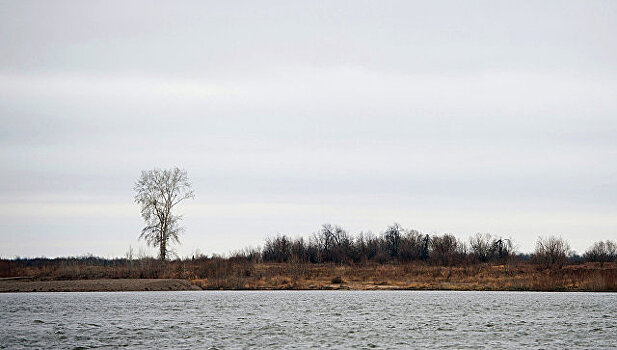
(99, 285)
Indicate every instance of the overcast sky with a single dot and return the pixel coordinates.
(448, 117)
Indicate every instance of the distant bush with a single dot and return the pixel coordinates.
(277, 249)
(412, 246)
(446, 250)
(551, 251)
(485, 248)
(602, 252)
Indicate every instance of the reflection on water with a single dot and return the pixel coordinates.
(305, 319)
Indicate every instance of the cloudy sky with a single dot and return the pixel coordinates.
(456, 117)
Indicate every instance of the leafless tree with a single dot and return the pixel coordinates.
(278, 249)
(480, 246)
(602, 252)
(446, 250)
(158, 192)
(484, 247)
(392, 237)
(334, 242)
(411, 246)
(552, 251)
(502, 248)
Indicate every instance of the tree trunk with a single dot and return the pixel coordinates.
(163, 252)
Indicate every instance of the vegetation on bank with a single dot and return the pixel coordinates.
(96, 285)
(333, 259)
(239, 273)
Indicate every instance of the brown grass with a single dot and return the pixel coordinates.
(220, 273)
(588, 277)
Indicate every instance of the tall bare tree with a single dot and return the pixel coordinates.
(158, 192)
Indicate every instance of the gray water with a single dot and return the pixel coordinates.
(307, 319)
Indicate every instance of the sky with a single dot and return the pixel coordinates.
(444, 116)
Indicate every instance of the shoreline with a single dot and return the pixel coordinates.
(26, 285)
(22, 285)
(220, 274)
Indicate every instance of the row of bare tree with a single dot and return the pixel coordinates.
(397, 244)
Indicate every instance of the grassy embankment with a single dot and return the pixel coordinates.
(583, 277)
(235, 274)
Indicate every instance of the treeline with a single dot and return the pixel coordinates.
(330, 244)
(397, 258)
(83, 267)
(396, 244)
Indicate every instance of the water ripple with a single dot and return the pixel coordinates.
(298, 319)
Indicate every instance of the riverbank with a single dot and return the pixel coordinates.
(97, 285)
(289, 276)
(515, 277)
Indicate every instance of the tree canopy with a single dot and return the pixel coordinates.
(158, 192)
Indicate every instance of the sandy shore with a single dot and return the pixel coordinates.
(98, 285)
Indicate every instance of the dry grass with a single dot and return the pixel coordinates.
(220, 273)
(586, 277)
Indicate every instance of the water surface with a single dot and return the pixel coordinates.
(307, 319)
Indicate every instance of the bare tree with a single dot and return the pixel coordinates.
(278, 249)
(602, 252)
(333, 241)
(484, 248)
(481, 247)
(446, 250)
(411, 246)
(392, 237)
(552, 251)
(502, 248)
(158, 192)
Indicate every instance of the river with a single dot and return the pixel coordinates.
(308, 319)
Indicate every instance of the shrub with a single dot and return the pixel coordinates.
(602, 252)
(551, 251)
